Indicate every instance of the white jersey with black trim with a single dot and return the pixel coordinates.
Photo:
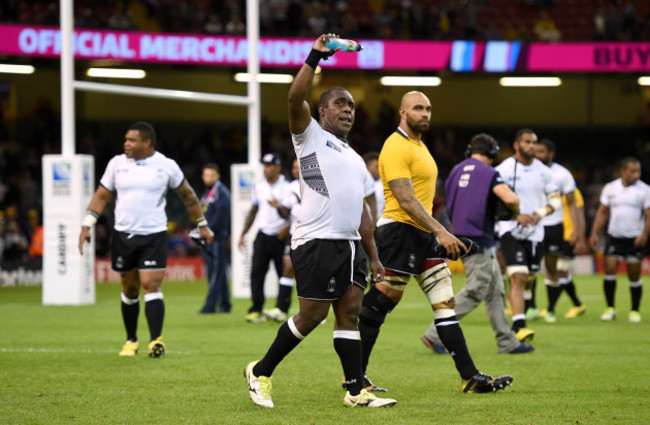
(332, 184)
(566, 184)
(141, 186)
(268, 219)
(292, 202)
(531, 183)
(626, 207)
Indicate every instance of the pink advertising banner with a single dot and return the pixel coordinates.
(588, 57)
(217, 50)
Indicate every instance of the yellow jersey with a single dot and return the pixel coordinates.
(402, 157)
(568, 222)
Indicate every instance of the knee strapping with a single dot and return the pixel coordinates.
(436, 284)
(375, 307)
(563, 264)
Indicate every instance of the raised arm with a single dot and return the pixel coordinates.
(403, 191)
(193, 206)
(97, 204)
(299, 112)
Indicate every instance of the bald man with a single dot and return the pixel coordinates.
(407, 237)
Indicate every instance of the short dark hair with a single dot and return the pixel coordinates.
(371, 156)
(146, 131)
(629, 160)
(550, 145)
(523, 131)
(483, 144)
(327, 94)
(212, 166)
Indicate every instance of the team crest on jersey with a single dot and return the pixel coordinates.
(412, 260)
(331, 286)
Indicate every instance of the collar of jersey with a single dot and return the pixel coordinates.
(406, 136)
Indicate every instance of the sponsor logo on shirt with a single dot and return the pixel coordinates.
(333, 146)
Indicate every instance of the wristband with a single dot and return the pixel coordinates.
(90, 219)
(201, 222)
(542, 212)
(316, 55)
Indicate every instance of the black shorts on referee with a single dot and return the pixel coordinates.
(325, 268)
(138, 252)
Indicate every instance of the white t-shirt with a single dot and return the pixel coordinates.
(292, 202)
(627, 206)
(141, 187)
(268, 219)
(531, 183)
(379, 196)
(566, 184)
(332, 184)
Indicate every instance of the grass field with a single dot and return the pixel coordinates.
(60, 365)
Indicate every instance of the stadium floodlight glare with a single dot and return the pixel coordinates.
(410, 81)
(6, 68)
(135, 74)
(530, 81)
(244, 77)
(644, 81)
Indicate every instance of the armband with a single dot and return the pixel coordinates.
(90, 219)
(201, 222)
(542, 212)
(316, 55)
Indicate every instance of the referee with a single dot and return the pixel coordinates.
(138, 180)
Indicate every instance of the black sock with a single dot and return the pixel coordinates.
(284, 297)
(130, 313)
(571, 290)
(285, 341)
(610, 291)
(155, 312)
(452, 338)
(349, 351)
(518, 324)
(553, 295)
(374, 309)
(533, 299)
(636, 292)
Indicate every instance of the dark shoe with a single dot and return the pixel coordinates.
(482, 383)
(522, 349)
(436, 348)
(203, 311)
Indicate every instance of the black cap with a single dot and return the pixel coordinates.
(272, 159)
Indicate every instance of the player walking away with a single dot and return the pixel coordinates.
(521, 239)
(273, 231)
(138, 180)
(626, 203)
(333, 224)
(412, 243)
(287, 208)
(557, 251)
(215, 203)
(472, 190)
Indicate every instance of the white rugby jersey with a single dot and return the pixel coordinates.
(626, 207)
(531, 184)
(292, 202)
(333, 187)
(379, 196)
(268, 219)
(141, 187)
(566, 184)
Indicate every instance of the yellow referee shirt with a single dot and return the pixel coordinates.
(568, 222)
(405, 158)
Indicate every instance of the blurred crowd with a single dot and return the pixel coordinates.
(525, 20)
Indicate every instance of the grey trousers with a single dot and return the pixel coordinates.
(483, 282)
